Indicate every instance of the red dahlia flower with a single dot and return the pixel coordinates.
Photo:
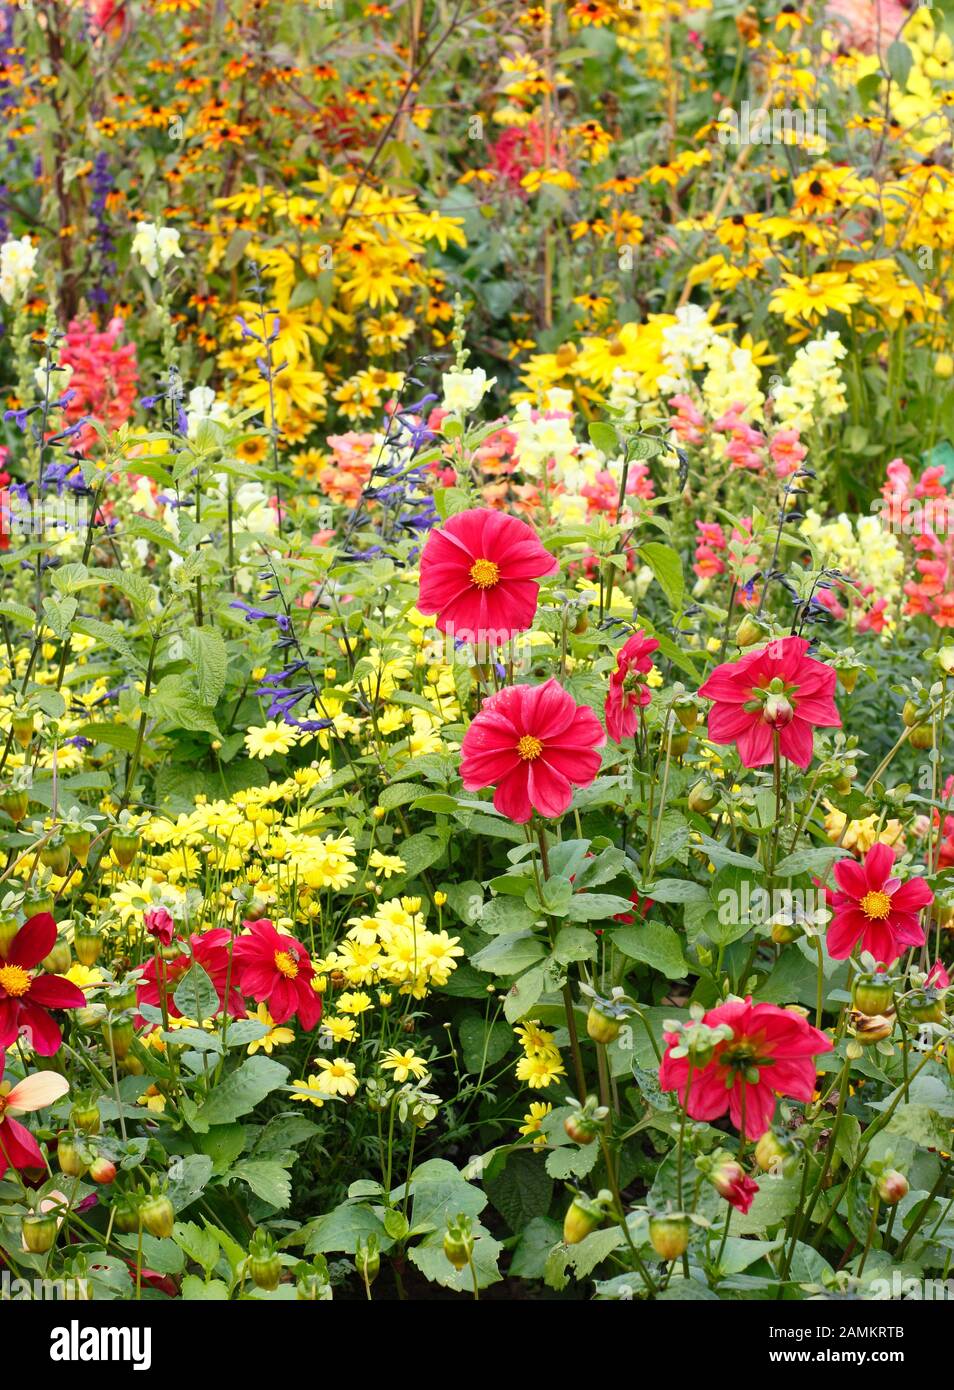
(534, 743)
(627, 690)
(874, 909)
(477, 573)
(25, 997)
(769, 1054)
(211, 950)
(17, 1144)
(276, 970)
(775, 690)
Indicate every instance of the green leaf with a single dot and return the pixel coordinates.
(209, 658)
(223, 1144)
(509, 954)
(537, 1239)
(553, 898)
(816, 861)
(607, 865)
(430, 1259)
(656, 945)
(523, 994)
(399, 793)
(240, 1092)
(868, 87)
(677, 890)
(774, 1202)
(483, 1044)
(597, 907)
(176, 700)
(666, 565)
(418, 852)
(503, 914)
(112, 636)
(195, 995)
(212, 1290)
(267, 1179)
(604, 437)
(161, 1254)
(582, 1258)
(522, 1190)
(900, 61)
(342, 1229)
(572, 1161)
(188, 1177)
(739, 1254)
(236, 248)
(115, 735)
(59, 613)
(573, 944)
(441, 1192)
(198, 1244)
(283, 1132)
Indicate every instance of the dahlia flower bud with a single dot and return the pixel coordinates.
(749, 631)
(774, 1152)
(777, 710)
(732, 1182)
(159, 924)
(868, 1029)
(669, 1235)
(892, 1186)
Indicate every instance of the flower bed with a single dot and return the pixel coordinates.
(477, 646)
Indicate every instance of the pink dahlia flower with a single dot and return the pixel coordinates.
(627, 690)
(775, 690)
(533, 744)
(874, 909)
(477, 573)
(770, 1054)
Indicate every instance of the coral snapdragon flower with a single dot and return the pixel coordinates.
(533, 743)
(477, 573)
(777, 690)
(628, 692)
(17, 1145)
(874, 909)
(770, 1054)
(25, 997)
(276, 970)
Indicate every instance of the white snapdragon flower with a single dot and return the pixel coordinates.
(464, 391)
(17, 259)
(155, 246)
(60, 377)
(204, 407)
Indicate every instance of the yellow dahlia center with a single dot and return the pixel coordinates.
(876, 905)
(529, 748)
(286, 964)
(485, 574)
(15, 980)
